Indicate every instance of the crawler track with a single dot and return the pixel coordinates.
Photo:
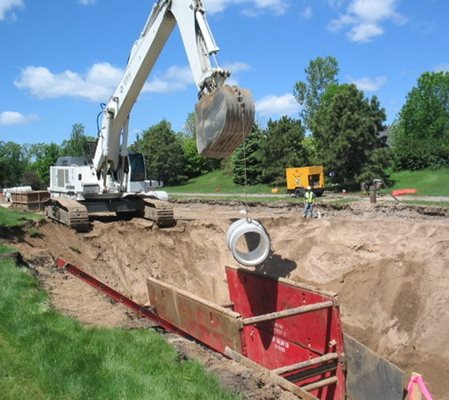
(160, 212)
(69, 212)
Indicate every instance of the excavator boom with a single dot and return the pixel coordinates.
(224, 115)
(114, 180)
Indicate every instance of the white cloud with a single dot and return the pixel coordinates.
(15, 118)
(96, 85)
(216, 6)
(176, 78)
(336, 3)
(364, 18)
(277, 105)
(442, 68)
(278, 7)
(365, 32)
(100, 81)
(337, 24)
(87, 2)
(373, 10)
(236, 67)
(307, 13)
(173, 79)
(370, 84)
(7, 5)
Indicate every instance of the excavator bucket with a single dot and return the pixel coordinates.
(223, 120)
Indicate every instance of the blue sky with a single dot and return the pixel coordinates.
(59, 59)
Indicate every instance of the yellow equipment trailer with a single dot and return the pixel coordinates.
(299, 178)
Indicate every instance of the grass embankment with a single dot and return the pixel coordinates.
(12, 218)
(4, 249)
(44, 355)
(216, 182)
(427, 182)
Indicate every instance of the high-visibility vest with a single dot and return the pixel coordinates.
(309, 197)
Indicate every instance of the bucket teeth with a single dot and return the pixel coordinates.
(223, 120)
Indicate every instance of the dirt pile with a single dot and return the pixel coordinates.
(390, 268)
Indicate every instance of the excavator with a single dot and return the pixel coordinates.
(114, 179)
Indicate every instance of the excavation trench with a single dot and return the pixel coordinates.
(390, 268)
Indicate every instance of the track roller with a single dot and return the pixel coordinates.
(69, 212)
(159, 212)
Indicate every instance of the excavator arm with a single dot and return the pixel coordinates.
(224, 114)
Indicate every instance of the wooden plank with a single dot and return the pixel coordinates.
(33, 200)
(306, 364)
(283, 383)
(319, 384)
(213, 325)
(287, 313)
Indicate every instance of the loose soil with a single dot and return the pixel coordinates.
(388, 263)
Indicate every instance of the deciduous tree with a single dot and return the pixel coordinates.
(320, 73)
(44, 156)
(348, 130)
(246, 160)
(196, 164)
(78, 144)
(283, 147)
(420, 136)
(266, 153)
(164, 156)
(14, 160)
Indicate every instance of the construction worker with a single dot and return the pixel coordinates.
(310, 198)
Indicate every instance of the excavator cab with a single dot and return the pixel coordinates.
(224, 119)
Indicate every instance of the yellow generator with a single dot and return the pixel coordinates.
(299, 178)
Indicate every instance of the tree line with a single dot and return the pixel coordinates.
(29, 164)
(338, 127)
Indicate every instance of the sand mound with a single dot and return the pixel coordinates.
(390, 269)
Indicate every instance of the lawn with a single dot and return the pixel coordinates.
(4, 249)
(44, 355)
(427, 182)
(10, 218)
(216, 182)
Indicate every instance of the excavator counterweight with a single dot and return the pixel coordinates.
(223, 120)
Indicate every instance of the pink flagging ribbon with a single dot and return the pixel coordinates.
(422, 386)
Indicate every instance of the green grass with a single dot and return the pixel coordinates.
(44, 355)
(426, 182)
(439, 204)
(343, 201)
(14, 218)
(216, 182)
(4, 249)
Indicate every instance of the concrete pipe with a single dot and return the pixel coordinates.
(255, 245)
